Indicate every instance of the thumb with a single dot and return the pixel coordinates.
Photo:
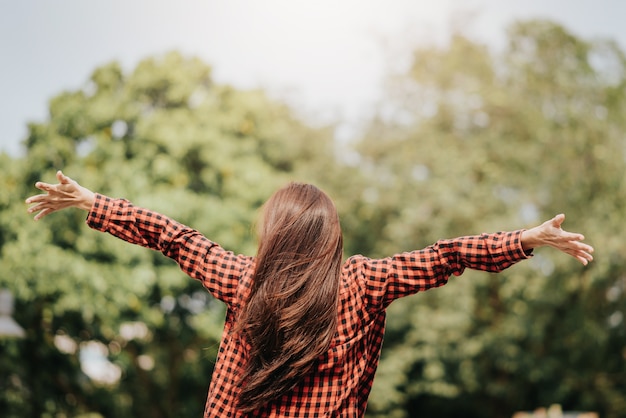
(557, 221)
(63, 179)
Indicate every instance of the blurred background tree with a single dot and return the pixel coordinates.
(164, 136)
(469, 140)
(472, 141)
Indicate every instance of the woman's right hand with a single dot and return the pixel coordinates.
(68, 193)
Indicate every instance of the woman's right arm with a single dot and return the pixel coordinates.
(218, 270)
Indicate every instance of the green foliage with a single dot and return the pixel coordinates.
(468, 141)
(166, 137)
(472, 141)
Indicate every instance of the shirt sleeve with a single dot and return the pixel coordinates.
(200, 258)
(385, 280)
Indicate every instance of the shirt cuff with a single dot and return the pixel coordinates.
(100, 212)
(512, 246)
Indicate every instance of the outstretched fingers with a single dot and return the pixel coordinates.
(43, 212)
(579, 250)
(583, 257)
(65, 194)
(569, 242)
(46, 187)
(40, 206)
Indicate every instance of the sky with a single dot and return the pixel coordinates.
(328, 58)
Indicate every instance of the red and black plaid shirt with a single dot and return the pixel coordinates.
(342, 379)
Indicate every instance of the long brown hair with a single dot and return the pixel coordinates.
(290, 317)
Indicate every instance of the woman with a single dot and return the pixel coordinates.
(303, 331)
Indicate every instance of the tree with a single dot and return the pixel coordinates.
(169, 138)
(469, 140)
(472, 140)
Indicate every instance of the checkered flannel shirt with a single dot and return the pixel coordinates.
(342, 378)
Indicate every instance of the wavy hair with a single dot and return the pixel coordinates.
(290, 317)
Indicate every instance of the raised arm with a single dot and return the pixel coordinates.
(200, 258)
(407, 273)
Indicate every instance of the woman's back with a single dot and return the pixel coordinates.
(303, 331)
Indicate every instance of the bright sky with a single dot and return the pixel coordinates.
(328, 57)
